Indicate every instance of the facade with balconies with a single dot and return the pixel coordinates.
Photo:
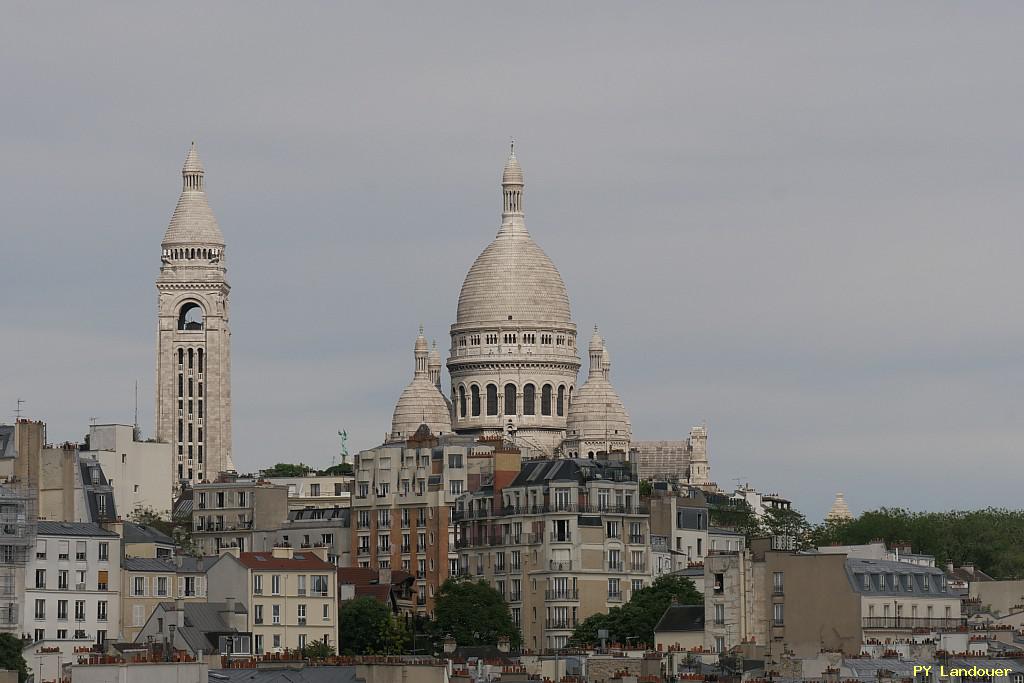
(243, 514)
(564, 540)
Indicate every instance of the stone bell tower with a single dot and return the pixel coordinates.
(193, 367)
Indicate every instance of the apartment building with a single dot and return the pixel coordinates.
(290, 595)
(327, 527)
(136, 470)
(146, 582)
(243, 514)
(403, 500)
(679, 519)
(771, 595)
(562, 540)
(74, 583)
(316, 491)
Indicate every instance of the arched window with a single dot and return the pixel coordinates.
(190, 317)
(561, 401)
(510, 399)
(529, 400)
(201, 354)
(570, 397)
(475, 390)
(545, 400)
(492, 399)
(462, 401)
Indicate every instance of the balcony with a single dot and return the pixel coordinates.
(561, 594)
(615, 566)
(638, 567)
(406, 549)
(500, 570)
(515, 597)
(515, 568)
(302, 621)
(912, 622)
(637, 540)
(561, 537)
(777, 590)
(615, 597)
(563, 566)
(363, 551)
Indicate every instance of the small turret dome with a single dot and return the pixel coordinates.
(421, 402)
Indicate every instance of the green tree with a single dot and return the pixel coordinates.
(318, 649)
(368, 628)
(637, 618)
(338, 470)
(781, 522)
(10, 656)
(646, 488)
(283, 469)
(990, 539)
(474, 614)
(738, 516)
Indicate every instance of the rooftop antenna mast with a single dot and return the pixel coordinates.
(17, 410)
(136, 428)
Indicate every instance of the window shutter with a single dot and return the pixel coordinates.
(181, 586)
(201, 586)
(103, 576)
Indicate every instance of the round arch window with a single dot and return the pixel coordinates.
(190, 317)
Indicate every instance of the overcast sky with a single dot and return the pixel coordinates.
(800, 222)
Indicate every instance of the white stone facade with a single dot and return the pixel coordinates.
(193, 410)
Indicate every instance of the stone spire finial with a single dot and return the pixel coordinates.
(192, 172)
(596, 354)
(512, 191)
(420, 352)
(434, 365)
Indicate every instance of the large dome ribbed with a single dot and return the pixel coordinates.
(193, 221)
(513, 279)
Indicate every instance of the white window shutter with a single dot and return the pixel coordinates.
(181, 586)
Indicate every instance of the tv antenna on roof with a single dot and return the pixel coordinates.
(17, 411)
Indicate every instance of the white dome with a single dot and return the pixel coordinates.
(421, 402)
(597, 414)
(193, 221)
(513, 277)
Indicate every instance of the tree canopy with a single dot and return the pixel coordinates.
(367, 627)
(284, 469)
(991, 539)
(637, 618)
(10, 656)
(473, 613)
(337, 470)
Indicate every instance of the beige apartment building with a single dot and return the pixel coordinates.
(243, 514)
(562, 540)
(146, 582)
(290, 595)
(774, 596)
(402, 506)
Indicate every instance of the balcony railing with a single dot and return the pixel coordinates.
(563, 566)
(561, 537)
(512, 511)
(559, 594)
(615, 566)
(913, 622)
(637, 539)
(637, 567)
(560, 624)
(615, 597)
(515, 597)
(777, 590)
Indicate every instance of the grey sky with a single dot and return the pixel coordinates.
(800, 222)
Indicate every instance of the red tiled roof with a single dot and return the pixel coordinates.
(360, 576)
(300, 560)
